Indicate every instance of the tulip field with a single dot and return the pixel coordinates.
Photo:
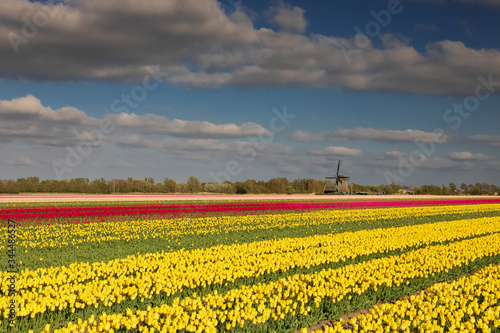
(405, 265)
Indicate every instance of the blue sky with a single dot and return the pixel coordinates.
(404, 91)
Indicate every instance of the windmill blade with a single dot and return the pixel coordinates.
(338, 168)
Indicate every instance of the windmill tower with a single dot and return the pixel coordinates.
(340, 183)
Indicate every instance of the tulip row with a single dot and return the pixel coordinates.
(82, 285)
(467, 304)
(75, 234)
(240, 205)
(293, 296)
(96, 212)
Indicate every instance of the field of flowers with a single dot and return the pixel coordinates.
(280, 266)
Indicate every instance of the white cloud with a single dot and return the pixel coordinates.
(153, 124)
(385, 135)
(360, 133)
(452, 161)
(303, 136)
(466, 155)
(492, 140)
(31, 108)
(337, 151)
(26, 120)
(288, 18)
(170, 144)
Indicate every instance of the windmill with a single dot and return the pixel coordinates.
(340, 186)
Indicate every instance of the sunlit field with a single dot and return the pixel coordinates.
(408, 265)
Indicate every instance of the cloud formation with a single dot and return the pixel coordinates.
(384, 135)
(304, 136)
(360, 133)
(492, 140)
(200, 46)
(288, 18)
(466, 155)
(336, 151)
(26, 120)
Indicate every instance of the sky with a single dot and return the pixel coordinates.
(403, 91)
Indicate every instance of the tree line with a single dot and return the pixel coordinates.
(280, 185)
(450, 189)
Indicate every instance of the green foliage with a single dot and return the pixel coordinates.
(279, 185)
(223, 188)
(326, 309)
(105, 251)
(193, 185)
(170, 185)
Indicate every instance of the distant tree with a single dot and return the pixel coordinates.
(112, 186)
(495, 190)
(388, 189)
(149, 187)
(23, 185)
(193, 185)
(77, 185)
(226, 188)
(11, 186)
(35, 182)
(445, 190)
(300, 185)
(30, 184)
(250, 186)
(210, 187)
(486, 188)
(100, 186)
(395, 186)
(277, 185)
(436, 190)
(123, 185)
(137, 185)
(170, 185)
(477, 189)
(470, 188)
(182, 188)
(242, 188)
